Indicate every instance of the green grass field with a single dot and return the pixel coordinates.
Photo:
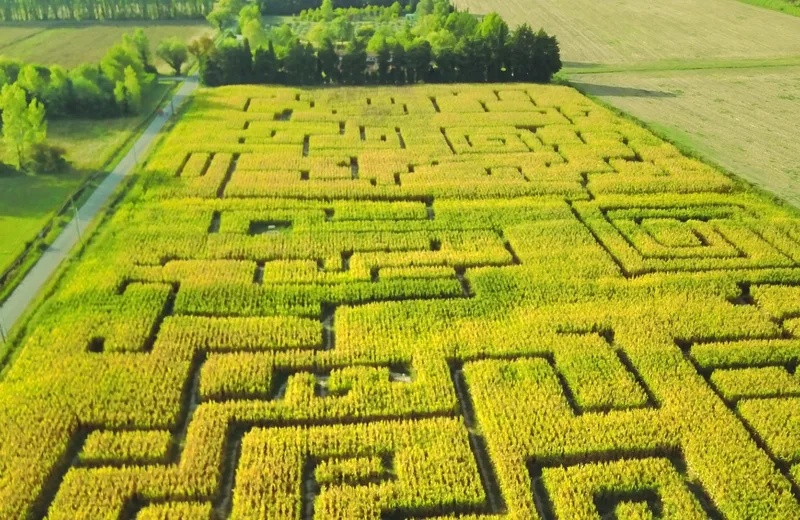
(9, 34)
(719, 77)
(27, 202)
(71, 44)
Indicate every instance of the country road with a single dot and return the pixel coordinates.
(26, 291)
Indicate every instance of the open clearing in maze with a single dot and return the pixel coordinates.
(456, 301)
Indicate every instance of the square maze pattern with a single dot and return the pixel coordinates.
(468, 302)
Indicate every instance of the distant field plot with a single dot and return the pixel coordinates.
(635, 31)
(746, 120)
(11, 33)
(71, 44)
(433, 302)
(791, 7)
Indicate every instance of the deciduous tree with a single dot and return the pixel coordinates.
(24, 124)
(174, 52)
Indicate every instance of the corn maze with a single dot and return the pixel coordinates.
(426, 302)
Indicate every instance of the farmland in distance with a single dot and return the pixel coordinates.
(74, 43)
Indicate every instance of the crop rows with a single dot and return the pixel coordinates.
(423, 302)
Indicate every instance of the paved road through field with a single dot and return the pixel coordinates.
(26, 291)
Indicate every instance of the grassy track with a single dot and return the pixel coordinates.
(90, 145)
(71, 44)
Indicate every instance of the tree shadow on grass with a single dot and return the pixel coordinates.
(34, 196)
(581, 65)
(617, 91)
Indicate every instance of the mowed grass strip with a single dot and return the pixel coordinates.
(632, 31)
(744, 120)
(72, 44)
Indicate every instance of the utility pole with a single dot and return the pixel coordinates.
(3, 334)
(77, 219)
(172, 105)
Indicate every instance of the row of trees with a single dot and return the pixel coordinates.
(288, 7)
(42, 10)
(113, 87)
(441, 45)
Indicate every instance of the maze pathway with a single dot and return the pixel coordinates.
(468, 302)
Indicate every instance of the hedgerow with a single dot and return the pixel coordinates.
(539, 310)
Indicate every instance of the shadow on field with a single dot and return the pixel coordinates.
(581, 65)
(615, 91)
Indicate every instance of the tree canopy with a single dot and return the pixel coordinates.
(111, 88)
(440, 45)
(24, 124)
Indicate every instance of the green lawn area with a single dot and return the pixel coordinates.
(91, 143)
(74, 43)
(27, 202)
(784, 6)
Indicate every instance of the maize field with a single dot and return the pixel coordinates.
(474, 302)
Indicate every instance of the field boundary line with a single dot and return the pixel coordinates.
(24, 38)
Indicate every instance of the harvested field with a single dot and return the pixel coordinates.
(634, 32)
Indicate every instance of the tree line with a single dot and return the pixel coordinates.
(289, 7)
(114, 87)
(44, 10)
(441, 45)
(111, 88)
